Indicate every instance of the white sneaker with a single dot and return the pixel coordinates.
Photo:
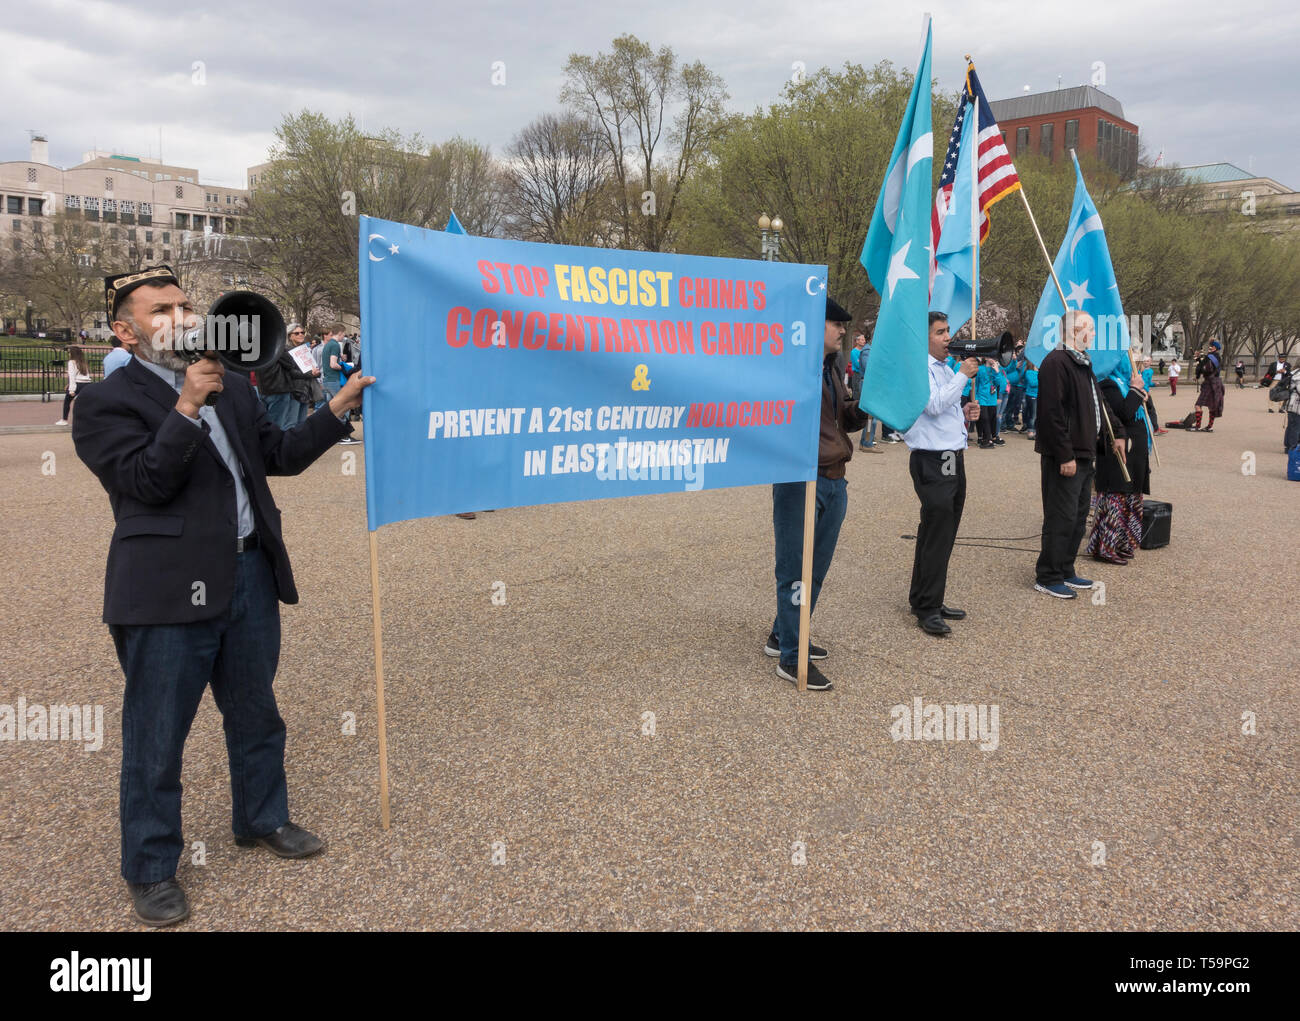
(62, 421)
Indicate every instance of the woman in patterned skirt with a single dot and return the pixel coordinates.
(1117, 521)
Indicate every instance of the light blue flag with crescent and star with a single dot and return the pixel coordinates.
(954, 265)
(896, 384)
(453, 225)
(1084, 269)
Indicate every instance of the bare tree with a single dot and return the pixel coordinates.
(64, 261)
(558, 175)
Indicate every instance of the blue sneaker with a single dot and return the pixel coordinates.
(1060, 590)
(1078, 583)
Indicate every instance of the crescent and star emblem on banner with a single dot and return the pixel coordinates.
(898, 268)
(1078, 292)
(808, 286)
(392, 249)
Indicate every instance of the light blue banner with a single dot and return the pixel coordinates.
(511, 373)
(1084, 268)
(954, 261)
(896, 384)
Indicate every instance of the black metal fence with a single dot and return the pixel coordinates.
(43, 369)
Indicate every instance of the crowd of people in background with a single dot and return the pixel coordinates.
(1007, 396)
(288, 392)
(291, 392)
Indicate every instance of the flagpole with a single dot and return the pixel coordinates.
(384, 816)
(805, 584)
(1042, 247)
(974, 137)
(1152, 435)
(1110, 429)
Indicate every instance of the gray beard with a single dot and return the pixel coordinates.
(165, 358)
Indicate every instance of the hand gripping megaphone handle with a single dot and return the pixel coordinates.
(1002, 348)
(243, 330)
(211, 400)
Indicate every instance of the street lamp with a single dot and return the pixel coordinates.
(771, 231)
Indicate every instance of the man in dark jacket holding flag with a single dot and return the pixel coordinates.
(1071, 436)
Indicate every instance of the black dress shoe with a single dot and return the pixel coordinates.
(161, 903)
(933, 625)
(289, 841)
(948, 613)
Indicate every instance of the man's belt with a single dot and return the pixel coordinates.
(248, 542)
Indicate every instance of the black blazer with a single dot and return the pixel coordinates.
(1066, 428)
(173, 497)
(1109, 478)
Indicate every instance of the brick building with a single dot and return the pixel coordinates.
(1082, 118)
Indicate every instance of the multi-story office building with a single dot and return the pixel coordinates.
(157, 212)
(1082, 118)
(150, 203)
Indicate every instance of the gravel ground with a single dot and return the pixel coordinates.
(1122, 794)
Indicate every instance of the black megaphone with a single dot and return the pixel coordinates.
(1002, 348)
(242, 329)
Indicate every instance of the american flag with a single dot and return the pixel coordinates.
(997, 174)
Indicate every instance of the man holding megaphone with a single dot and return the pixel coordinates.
(937, 440)
(196, 566)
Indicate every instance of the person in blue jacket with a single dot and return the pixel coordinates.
(1031, 400)
(1003, 386)
(1148, 373)
(985, 386)
(1016, 397)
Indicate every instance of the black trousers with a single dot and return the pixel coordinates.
(1065, 515)
(988, 413)
(939, 477)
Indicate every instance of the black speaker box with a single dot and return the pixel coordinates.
(1157, 519)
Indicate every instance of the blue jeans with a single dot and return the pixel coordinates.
(787, 525)
(1015, 401)
(284, 410)
(1030, 418)
(869, 433)
(167, 668)
(1292, 434)
(331, 389)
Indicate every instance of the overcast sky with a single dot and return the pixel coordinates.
(1205, 81)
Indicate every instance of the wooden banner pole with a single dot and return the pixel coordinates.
(1042, 247)
(384, 815)
(974, 237)
(1154, 449)
(805, 586)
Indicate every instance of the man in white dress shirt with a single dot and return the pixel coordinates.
(938, 442)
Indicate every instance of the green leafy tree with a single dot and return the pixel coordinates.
(324, 173)
(816, 158)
